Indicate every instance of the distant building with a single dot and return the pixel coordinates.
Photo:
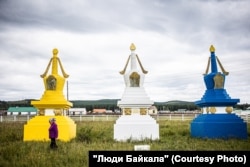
(109, 112)
(152, 110)
(181, 110)
(77, 111)
(117, 111)
(164, 112)
(21, 111)
(99, 111)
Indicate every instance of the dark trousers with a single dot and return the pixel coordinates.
(53, 143)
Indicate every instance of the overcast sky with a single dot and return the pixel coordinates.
(93, 37)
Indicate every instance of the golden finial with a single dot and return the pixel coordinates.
(55, 51)
(212, 49)
(132, 47)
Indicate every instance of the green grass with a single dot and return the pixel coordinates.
(174, 135)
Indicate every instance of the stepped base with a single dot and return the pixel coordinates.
(37, 128)
(219, 126)
(136, 127)
(52, 99)
(135, 97)
(54, 104)
(216, 97)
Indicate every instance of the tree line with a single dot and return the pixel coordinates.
(111, 104)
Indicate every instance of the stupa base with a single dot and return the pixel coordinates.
(36, 129)
(136, 127)
(222, 126)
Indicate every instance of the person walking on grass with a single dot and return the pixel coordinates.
(53, 133)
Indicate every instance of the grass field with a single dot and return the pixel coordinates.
(174, 135)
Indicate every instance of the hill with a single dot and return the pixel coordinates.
(110, 104)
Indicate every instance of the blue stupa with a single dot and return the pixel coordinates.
(218, 121)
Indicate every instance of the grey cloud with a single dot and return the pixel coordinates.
(87, 16)
(192, 26)
(93, 16)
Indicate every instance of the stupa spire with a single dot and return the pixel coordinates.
(53, 97)
(55, 61)
(133, 58)
(215, 94)
(213, 59)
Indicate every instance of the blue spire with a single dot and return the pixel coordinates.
(213, 63)
(215, 96)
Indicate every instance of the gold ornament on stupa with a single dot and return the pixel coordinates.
(132, 47)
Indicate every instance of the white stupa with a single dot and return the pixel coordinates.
(135, 123)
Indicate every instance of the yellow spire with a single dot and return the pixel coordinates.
(132, 47)
(54, 62)
(212, 49)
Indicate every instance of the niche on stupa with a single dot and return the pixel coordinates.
(134, 79)
(51, 83)
(219, 81)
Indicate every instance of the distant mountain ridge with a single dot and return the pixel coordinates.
(172, 102)
(100, 101)
(112, 104)
(115, 100)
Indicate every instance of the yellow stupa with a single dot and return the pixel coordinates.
(53, 99)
